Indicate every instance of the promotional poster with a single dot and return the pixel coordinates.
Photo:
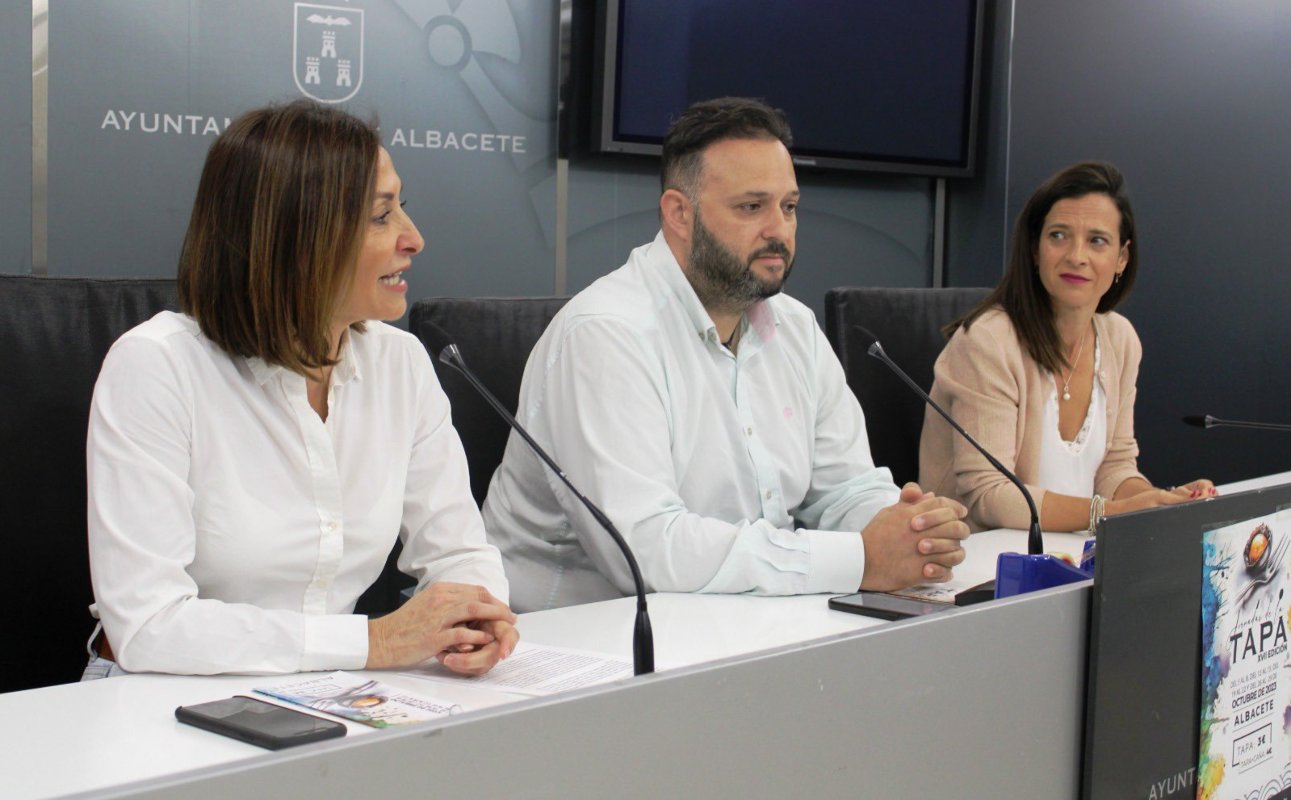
(1245, 743)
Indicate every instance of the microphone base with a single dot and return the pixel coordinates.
(642, 643)
(1016, 573)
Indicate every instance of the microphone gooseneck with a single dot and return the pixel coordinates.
(1207, 421)
(642, 635)
(1035, 542)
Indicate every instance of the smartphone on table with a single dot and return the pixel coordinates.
(886, 606)
(257, 722)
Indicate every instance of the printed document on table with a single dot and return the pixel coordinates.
(356, 698)
(538, 670)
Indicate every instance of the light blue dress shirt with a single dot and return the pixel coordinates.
(745, 472)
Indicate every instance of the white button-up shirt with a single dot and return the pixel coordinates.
(232, 530)
(747, 472)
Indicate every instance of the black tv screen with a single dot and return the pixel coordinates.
(886, 85)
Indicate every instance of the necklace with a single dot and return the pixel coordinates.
(1066, 384)
(734, 340)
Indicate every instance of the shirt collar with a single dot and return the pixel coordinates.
(761, 317)
(263, 371)
(346, 369)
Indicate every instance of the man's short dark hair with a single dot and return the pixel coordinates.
(710, 121)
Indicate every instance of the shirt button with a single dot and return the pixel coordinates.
(769, 493)
(748, 431)
(329, 526)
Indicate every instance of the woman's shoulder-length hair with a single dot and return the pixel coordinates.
(276, 230)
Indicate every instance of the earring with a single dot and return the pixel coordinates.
(1116, 278)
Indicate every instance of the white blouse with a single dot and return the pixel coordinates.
(1069, 467)
(232, 530)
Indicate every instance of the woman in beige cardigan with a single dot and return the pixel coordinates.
(1042, 372)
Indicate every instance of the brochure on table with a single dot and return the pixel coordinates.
(361, 700)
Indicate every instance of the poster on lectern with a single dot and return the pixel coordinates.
(1245, 742)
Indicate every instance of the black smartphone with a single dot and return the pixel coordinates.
(886, 606)
(260, 723)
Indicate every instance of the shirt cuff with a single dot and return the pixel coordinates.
(335, 641)
(837, 562)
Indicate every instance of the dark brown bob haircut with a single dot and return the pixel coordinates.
(1021, 294)
(276, 229)
(710, 121)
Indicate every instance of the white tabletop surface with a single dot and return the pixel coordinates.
(84, 736)
(80, 737)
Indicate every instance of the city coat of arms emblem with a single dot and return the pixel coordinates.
(327, 52)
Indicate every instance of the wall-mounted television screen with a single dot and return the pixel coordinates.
(883, 85)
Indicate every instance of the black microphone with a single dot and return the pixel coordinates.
(1214, 422)
(642, 637)
(1035, 542)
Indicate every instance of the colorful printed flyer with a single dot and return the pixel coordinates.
(355, 698)
(1245, 747)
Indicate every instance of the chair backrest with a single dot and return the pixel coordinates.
(908, 322)
(495, 336)
(54, 333)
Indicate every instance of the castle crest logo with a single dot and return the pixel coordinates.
(327, 52)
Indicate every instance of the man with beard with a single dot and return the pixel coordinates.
(705, 412)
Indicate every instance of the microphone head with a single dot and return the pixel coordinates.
(438, 341)
(1197, 420)
(875, 348)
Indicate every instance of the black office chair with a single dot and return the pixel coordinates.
(495, 336)
(54, 333)
(908, 322)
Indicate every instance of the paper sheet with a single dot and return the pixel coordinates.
(538, 670)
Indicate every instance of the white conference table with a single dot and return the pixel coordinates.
(86, 737)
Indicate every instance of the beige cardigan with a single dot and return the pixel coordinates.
(991, 387)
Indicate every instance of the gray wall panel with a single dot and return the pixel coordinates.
(464, 94)
(613, 207)
(1192, 100)
(120, 196)
(15, 137)
(861, 230)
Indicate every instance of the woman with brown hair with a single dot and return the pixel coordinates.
(252, 460)
(1042, 372)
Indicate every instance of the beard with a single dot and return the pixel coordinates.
(723, 281)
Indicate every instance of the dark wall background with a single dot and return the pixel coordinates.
(1192, 99)
(975, 222)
